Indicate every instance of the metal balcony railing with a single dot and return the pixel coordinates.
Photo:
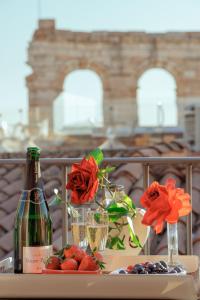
(146, 162)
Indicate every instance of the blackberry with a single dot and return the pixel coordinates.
(134, 271)
(122, 272)
(163, 263)
(172, 271)
(178, 269)
(144, 272)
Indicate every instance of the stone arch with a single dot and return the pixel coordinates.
(119, 58)
(159, 99)
(170, 67)
(65, 70)
(77, 97)
(39, 112)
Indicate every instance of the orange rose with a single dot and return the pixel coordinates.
(155, 200)
(164, 203)
(83, 181)
(178, 200)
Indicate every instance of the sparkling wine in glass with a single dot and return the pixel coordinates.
(97, 229)
(78, 227)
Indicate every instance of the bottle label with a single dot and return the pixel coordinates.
(34, 258)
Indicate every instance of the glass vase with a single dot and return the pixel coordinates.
(172, 237)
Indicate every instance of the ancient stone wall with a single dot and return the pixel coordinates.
(119, 58)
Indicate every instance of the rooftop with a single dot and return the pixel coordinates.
(129, 175)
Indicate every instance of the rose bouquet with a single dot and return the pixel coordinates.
(88, 183)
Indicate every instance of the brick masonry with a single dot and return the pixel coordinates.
(119, 58)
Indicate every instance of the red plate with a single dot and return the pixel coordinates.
(50, 271)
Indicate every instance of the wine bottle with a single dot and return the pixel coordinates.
(33, 225)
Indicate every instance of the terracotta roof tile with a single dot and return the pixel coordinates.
(3, 183)
(3, 171)
(13, 188)
(2, 213)
(181, 144)
(148, 152)
(126, 182)
(128, 175)
(3, 196)
(196, 201)
(161, 148)
(195, 221)
(131, 170)
(7, 222)
(10, 205)
(176, 146)
(14, 174)
(56, 218)
(50, 186)
(8, 254)
(6, 241)
(53, 172)
(136, 195)
(3, 253)
(196, 180)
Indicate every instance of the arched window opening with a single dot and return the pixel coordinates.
(156, 99)
(79, 108)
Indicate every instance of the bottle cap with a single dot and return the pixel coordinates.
(33, 149)
(33, 152)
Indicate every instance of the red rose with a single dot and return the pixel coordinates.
(83, 181)
(155, 200)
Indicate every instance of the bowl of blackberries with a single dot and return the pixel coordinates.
(152, 268)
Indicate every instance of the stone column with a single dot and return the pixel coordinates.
(41, 108)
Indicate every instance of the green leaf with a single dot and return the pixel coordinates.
(108, 169)
(97, 217)
(100, 174)
(60, 253)
(97, 154)
(133, 236)
(121, 210)
(129, 202)
(117, 208)
(115, 243)
(115, 217)
(57, 200)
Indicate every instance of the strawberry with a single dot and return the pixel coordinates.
(99, 259)
(53, 262)
(98, 256)
(88, 263)
(74, 252)
(69, 264)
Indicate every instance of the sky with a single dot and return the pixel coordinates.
(18, 20)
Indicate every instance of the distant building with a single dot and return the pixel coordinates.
(119, 58)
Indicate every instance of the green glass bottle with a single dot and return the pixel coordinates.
(33, 225)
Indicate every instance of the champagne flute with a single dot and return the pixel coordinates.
(97, 229)
(78, 226)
